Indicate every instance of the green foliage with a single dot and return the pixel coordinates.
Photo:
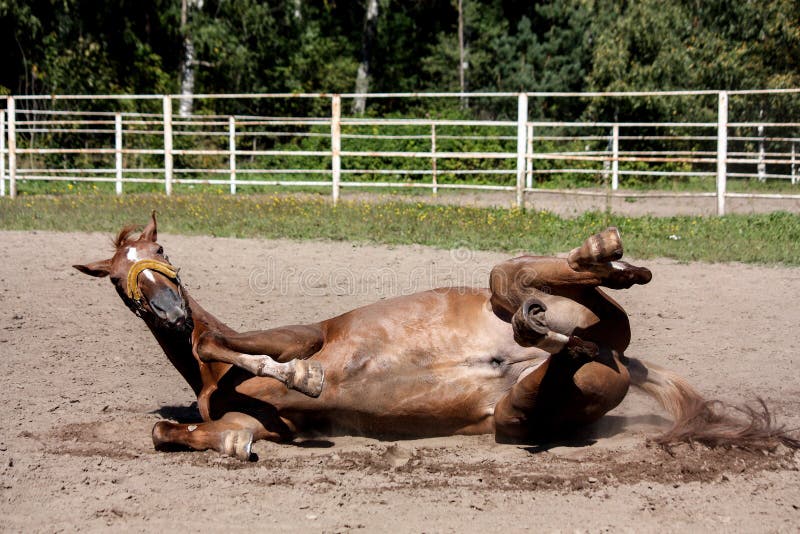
(724, 44)
(75, 46)
(125, 46)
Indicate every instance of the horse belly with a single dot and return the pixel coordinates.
(415, 403)
(433, 363)
(418, 392)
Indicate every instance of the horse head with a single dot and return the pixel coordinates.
(144, 278)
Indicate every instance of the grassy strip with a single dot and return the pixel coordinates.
(627, 183)
(771, 238)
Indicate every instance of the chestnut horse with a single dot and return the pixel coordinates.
(538, 354)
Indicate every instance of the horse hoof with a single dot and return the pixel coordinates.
(623, 275)
(577, 348)
(309, 377)
(598, 249)
(530, 323)
(237, 443)
(160, 435)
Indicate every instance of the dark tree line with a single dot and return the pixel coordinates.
(136, 46)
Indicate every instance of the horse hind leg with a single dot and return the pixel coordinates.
(595, 263)
(598, 249)
(232, 435)
(601, 253)
(561, 395)
(530, 327)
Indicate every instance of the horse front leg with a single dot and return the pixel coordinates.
(233, 435)
(279, 353)
(282, 344)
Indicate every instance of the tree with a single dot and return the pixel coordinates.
(722, 44)
(219, 46)
(188, 62)
(81, 47)
(367, 39)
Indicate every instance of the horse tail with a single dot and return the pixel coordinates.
(710, 422)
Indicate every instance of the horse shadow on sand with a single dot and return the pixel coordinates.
(607, 427)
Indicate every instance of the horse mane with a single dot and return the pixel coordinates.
(124, 236)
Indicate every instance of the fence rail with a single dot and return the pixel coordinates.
(112, 145)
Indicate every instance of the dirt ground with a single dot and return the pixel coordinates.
(83, 382)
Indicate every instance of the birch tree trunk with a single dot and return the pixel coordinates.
(367, 39)
(761, 167)
(188, 63)
(462, 61)
(297, 10)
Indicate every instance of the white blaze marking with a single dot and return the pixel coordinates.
(133, 255)
(617, 266)
(191, 428)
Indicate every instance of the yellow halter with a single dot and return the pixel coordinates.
(166, 269)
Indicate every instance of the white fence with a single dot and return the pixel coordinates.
(129, 147)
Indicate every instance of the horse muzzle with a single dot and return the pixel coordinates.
(165, 302)
(169, 307)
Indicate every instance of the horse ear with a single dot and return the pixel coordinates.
(150, 232)
(96, 268)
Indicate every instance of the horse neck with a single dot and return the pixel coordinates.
(177, 345)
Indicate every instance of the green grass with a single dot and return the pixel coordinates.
(771, 238)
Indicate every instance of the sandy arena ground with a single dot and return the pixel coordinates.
(84, 382)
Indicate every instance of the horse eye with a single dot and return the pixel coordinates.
(160, 251)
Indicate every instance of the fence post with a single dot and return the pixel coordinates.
(434, 178)
(3, 153)
(615, 157)
(232, 151)
(12, 147)
(722, 151)
(762, 167)
(522, 123)
(529, 158)
(118, 150)
(336, 146)
(168, 144)
(607, 160)
(794, 164)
